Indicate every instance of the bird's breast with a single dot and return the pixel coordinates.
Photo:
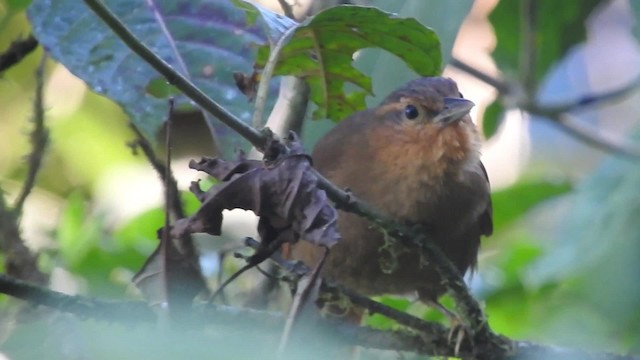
(421, 173)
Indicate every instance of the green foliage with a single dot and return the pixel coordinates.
(210, 52)
(512, 203)
(77, 233)
(559, 25)
(492, 119)
(578, 288)
(322, 47)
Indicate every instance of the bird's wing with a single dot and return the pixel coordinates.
(485, 220)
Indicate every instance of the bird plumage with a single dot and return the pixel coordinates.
(412, 162)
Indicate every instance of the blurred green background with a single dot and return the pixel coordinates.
(561, 268)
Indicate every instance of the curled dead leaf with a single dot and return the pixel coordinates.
(281, 190)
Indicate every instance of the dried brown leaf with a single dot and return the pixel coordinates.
(247, 84)
(282, 191)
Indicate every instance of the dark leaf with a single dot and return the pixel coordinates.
(282, 192)
(211, 39)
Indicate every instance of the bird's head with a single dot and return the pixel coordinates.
(428, 120)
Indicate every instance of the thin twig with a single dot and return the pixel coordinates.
(502, 87)
(267, 73)
(181, 65)
(39, 139)
(17, 51)
(558, 113)
(143, 144)
(300, 300)
(165, 313)
(262, 254)
(586, 101)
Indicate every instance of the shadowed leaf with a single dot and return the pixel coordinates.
(210, 36)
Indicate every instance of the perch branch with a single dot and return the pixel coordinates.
(137, 312)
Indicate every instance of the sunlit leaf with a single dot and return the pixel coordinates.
(322, 47)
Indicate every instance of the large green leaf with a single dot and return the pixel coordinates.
(322, 47)
(210, 36)
(560, 24)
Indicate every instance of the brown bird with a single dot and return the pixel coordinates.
(416, 158)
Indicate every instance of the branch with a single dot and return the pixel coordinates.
(39, 139)
(558, 113)
(17, 51)
(261, 322)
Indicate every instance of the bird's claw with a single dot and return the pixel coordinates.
(460, 331)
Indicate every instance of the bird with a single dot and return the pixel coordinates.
(416, 158)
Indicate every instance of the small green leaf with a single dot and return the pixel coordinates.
(511, 203)
(492, 119)
(159, 88)
(322, 47)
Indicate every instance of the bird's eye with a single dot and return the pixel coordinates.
(411, 112)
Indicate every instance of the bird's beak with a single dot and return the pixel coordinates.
(454, 109)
